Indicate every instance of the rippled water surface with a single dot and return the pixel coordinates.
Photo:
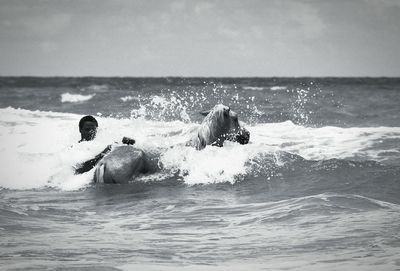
(317, 187)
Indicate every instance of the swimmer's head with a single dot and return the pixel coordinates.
(88, 128)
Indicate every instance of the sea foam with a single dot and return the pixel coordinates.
(40, 149)
(278, 88)
(74, 98)
(129, 98)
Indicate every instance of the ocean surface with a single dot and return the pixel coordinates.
(317, 187)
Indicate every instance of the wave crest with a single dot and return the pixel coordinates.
(31, 158)
(75, 98)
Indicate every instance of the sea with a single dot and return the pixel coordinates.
(316, 188)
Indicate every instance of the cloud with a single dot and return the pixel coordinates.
(228, 32)
(203, 6)
(207, 37)
(178, 5)
(48, 25)
(48, 47)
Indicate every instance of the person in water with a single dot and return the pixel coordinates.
(88, 129)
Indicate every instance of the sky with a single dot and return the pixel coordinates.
(200, 38)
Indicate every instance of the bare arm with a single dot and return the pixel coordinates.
(89, 164)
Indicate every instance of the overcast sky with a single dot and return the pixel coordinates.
(200, 38)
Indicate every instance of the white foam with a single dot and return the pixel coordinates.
(253, 88)
(160, 107)
(211, 165)
(74, 98)
(325, 142)
(96, 88)
(274, 88)
(128, 98)
(40, 148)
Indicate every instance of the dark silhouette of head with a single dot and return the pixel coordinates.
(88, 128)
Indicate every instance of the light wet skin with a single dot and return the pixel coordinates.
(220, 124)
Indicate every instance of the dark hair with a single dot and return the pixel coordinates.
(87, 118)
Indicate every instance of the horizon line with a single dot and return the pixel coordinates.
(177, 76)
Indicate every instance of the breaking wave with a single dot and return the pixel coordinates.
(32, 158)
(75, 98)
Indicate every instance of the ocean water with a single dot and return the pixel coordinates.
(317, 187)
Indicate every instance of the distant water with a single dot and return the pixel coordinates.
(317, 188)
